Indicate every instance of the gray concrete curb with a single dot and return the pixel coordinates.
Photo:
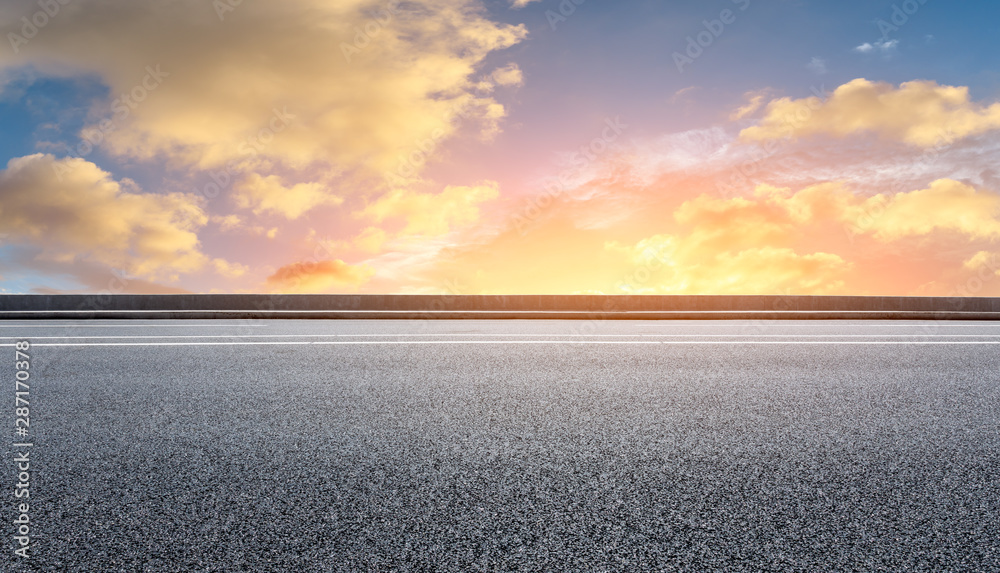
(430, 307)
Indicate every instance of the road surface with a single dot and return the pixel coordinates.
(507, 445)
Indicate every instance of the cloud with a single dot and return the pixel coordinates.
(683, 94)
(754, 101)
(947, 205)
(984, 259)
(773, 214)
(269, 195)
(233, 224)
(812, 216)
(509, 76)
(678, 237)
(318, 277)
(680, 265)
(342, 86)
(517, 4)
(428, 214)
(733, 246)
(72, 210)
(885, 47)
(370, 240)
(817, 66)
(227, 222)
(919, 113)
(228, 269)
(91, 277)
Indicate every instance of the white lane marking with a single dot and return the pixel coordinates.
(525, 342)
(261, 323)
(154, 325)
(187, 336)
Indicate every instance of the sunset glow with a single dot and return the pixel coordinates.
(515, 146)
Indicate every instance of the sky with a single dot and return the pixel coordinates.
(796, 147)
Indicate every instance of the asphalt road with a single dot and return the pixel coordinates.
(507, 446)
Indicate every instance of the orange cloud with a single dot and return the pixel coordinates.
(920, 113)
(728, 246)
(821, 239)
(318, 277)
(682, 265)
(732, 246)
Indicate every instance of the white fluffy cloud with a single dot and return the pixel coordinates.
(885, 47)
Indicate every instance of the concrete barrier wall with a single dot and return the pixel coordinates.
(263, 304)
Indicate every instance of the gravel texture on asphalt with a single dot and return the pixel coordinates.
(512, 457)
